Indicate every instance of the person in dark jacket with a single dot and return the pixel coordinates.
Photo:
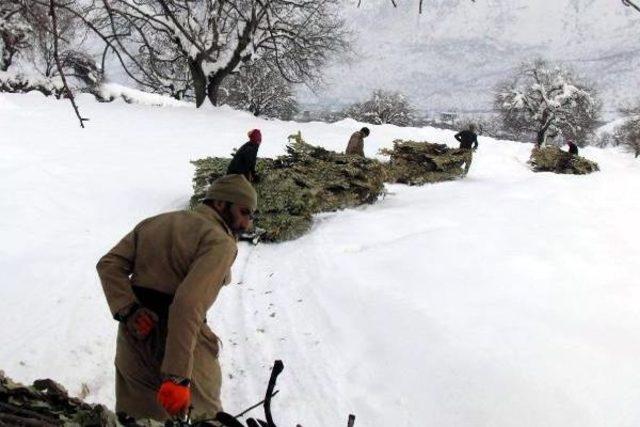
(573, 148)
(244, 160)
(468, 141)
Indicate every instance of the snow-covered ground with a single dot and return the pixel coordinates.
(505, 299)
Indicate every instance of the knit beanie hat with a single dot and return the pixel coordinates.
(234, 189)
(255, 136)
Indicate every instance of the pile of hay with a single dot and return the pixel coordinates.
(417, 163)
(305, 181)
(46, 403)
(553, 159)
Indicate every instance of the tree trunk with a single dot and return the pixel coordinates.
(215, 79)
(540, 136)
(214, 87)
(199, 81)
(7, 55)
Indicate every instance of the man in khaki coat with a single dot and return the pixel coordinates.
(159, 281)
(356, 142)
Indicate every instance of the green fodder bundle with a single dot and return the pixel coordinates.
(417, 163)
(46, 403)
(553, 159)
(305, 181)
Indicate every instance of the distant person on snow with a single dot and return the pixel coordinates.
(244, 160)
(565, 162)
(356, 142)
(468, 141)
(159, 282)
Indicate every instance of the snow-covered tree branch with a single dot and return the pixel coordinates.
(260, 89)
(628, 135)
(26, 32)
(546, 100)
(56, 56)
(383, 107)
(15, 31)
(174, 44)
(631, 3)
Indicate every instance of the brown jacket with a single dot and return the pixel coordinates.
(356, 144)
(187, 254)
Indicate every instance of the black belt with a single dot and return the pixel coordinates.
(156, 301)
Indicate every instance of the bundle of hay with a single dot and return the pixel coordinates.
(46, 403)
(417, 163)
(305, 181)
(553, 159)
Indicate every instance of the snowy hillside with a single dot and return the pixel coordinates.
(452, 56)
(505, 299)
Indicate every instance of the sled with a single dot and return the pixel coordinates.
(253, 236)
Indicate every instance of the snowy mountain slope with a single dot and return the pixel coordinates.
(452, 56)
(508, 298)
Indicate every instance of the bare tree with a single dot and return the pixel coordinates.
(383, 107)
(630, 3)
(155, 39)
(628, 135)
(260, 88)
(162, 68)
(14, 31)
(27, 29)
(56, 57)
(68, 35)
(546, 100)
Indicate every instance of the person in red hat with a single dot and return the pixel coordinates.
(244, 159)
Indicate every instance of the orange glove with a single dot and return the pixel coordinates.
(141, 322)
(174, 398)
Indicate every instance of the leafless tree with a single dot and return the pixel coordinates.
(630, 108)
(383, 107)
(27, 29)
(547, 100)
(68, 36)
(155, 39)
(628, 135)
(14, 31)
(161, 67)
(56, 56)
(260, 88)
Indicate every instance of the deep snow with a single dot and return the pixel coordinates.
(507, 298)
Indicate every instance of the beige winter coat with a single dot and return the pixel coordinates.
(356, 144)
(186, 254)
